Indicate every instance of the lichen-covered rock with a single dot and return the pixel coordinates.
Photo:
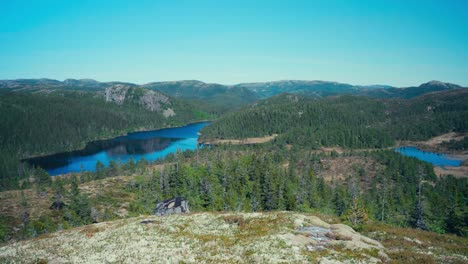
(175, 205)
(193, 238)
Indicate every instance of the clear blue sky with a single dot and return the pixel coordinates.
(397, 42)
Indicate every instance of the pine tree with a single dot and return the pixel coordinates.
(418, 214)
(42, 179)
(357, 213)
(456, 216)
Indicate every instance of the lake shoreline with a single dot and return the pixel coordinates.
(41, 155)
(150, 145)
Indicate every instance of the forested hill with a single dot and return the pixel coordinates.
(410, 92)
(35, 85)
(213, 97)
(53, 121)
(346, 121)
(219, 99)
(320, 89)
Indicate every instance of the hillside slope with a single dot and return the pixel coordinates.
(202, 237)
(320, 89)
(276, 237)
(218, 98)
(346, 121)
(210, 97)
(47, 122)
(213, 97)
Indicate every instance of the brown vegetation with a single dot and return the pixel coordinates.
(245, 141)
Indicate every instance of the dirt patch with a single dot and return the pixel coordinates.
(244, 141)
(446, 138)
(458, 172)
(332, 149)
(341, 167)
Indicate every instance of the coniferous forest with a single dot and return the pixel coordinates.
(267, 178)
(34, 124)
(289, 173)
(234, 131)
(346, 121)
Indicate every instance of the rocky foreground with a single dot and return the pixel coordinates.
(202, 237)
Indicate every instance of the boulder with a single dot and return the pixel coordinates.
(57, 205)
(177, 205)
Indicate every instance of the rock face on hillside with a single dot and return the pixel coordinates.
(151, 100)
(175, 205)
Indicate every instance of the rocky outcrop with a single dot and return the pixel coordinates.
(316, 235)
(168, 113)
(116, 93)
(151, 100)
(57, 205)
(177, 205)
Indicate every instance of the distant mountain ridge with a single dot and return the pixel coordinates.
(220, 98)
(320, 89)
(51, 84)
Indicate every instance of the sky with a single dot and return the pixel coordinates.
(400, 43)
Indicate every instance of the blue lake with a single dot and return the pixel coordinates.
(150, 145)
(431, 157)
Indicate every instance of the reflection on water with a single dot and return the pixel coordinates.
(151, 145)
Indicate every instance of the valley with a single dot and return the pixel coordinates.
(324, 132)
(286, 156)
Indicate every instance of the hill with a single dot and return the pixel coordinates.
(36, 85)
(373, 191)
(215, 97)
(319, 89)
(44, 122)
(346, 121)
(237, 237)
(219, 99)
(234, 237)
(309, 88)
(410, 92)
(202, 237)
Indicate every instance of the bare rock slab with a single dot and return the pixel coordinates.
(177, 205)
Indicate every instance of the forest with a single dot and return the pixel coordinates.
(33, 124)
(403, 192)
(289, 173)
(346, 121)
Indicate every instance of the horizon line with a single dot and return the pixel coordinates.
(234, 84)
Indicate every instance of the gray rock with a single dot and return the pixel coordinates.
(177, 205)
(151, 100)
(57, 205)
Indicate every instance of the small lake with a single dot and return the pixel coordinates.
(150, 145)
(431, 157)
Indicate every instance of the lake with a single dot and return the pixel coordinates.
(431, 157)
(150, 145)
